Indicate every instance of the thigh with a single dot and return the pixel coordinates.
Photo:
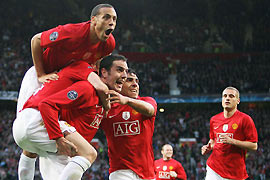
(84, 147)
(30, 133)
(29, 85)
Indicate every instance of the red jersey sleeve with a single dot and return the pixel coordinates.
(211, 134)
(181, 174)
(61, 33)
(151, 101)
(250, 130)
(76, 96)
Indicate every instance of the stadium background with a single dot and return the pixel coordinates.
(185, 51)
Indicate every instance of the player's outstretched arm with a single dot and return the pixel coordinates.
(38, 60)
(101, 88)
(140, 106)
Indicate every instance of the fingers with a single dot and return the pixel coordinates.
(48, 77)
(66, 147)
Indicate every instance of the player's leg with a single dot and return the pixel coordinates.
(29, 85)
(52, 165)
(80, 163)
(26, 167)
(30, 134)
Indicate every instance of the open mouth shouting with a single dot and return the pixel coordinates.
(108, 32)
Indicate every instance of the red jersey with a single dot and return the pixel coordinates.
(78, 105)
(70, 42)
(129, 137)
(76, 71)
(163, 168)
(228, 160)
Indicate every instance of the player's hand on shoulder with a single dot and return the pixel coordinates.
(115, 97)
(65, 147)
(48, 77)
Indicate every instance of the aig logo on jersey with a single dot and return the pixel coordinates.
(126, 128)
(164, 175)
(126, 115)
(72, 95)
(53, 36)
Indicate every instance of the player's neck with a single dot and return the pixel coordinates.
(166, 158)
(229, 112)
(93, 38)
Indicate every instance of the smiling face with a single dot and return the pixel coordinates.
(230, 99)
(167, 152)
(116, 76)
(131, 86)
(104, 23)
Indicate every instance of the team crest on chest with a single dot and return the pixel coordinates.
(235, 126)
(126, 115)
(134, 112)
(170, 168)
(225, 127)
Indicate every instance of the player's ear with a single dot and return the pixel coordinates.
(94, 20)
(104, 73)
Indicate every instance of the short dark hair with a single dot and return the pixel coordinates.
(107, 61)
(131, 71)
(95, 10)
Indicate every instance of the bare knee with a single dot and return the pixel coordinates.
(29, 154)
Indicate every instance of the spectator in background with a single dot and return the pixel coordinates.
(167, 167)
(232, 133)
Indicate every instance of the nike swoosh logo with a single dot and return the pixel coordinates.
(112, 116)
(215, 127)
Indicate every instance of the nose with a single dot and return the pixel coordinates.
(112, 23)
(134, 83)
(124, 75)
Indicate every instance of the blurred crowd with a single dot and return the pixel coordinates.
(176, 122)
(194, 27)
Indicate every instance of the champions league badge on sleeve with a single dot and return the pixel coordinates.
(53, 36)
(72, 95)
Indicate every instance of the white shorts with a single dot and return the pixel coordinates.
(52, 166)
(29, 85)
(124, 174)
(212, 175)
(30, 134)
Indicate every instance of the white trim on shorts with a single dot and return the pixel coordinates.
(125, 174)
(212, 175)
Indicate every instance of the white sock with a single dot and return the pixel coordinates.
(26, 169)
(75, 168)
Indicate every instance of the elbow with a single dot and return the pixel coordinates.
(255, 147)
(150, 112)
